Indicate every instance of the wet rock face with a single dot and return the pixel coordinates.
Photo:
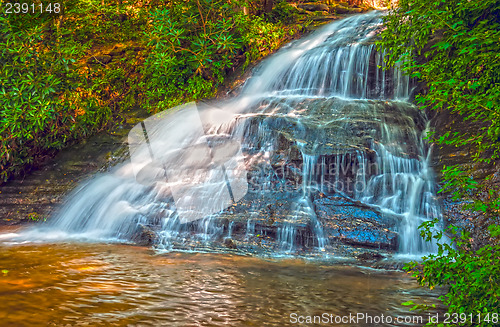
(290, 202)
(37, 195)
(487, 174)
(32, 198)
(303, 170)
(352, 223)
(330, 126)
(262, 217)
(344, 222)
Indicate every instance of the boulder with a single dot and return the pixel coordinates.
(354, 224)
(229, 243)
(314, 6)
(370, 256)
(144, 236)
(345, 10)
(100, 59)
(117, 51)
(323, 18)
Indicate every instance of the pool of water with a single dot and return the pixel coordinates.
(83, 284)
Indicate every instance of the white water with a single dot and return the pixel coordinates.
(326, 95)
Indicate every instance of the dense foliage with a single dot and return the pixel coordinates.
(196, 42)
(39, 111)
(50, 93)
(68, 74)
(453, 46)
(471, 275)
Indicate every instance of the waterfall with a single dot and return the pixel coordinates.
(319, 120)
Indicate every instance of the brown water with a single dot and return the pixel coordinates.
(75, 284)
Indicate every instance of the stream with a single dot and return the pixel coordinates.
(79, 284)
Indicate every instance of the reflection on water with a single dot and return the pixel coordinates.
(119, 285)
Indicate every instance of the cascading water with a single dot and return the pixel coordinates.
(319, 120)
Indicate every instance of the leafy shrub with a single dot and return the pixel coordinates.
(455, 43)
(452, 47)
(53, 93)
(34, 83)
(472, 275)
(260, 37)
(47, 98)
(283, 12)
(195, 43)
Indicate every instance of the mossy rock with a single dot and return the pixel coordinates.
(314, 6)
(339, 9)
(100, 59)
(117, 51)
(323, 18)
